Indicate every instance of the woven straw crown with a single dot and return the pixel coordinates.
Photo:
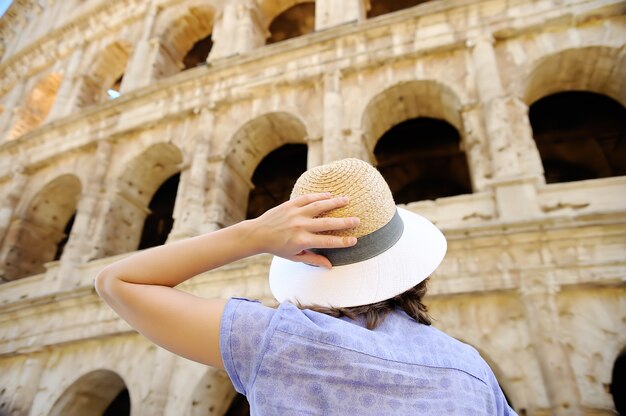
(370, 197)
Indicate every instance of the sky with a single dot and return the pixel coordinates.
(4, 5)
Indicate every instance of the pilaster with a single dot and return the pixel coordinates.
(538, 294)
(27, 385)
(11, 106)
(191, 197)
(330, 13)
(490, 93)
(515, 193)
(85, 236)
(140, 68)
(238, 29)
(64, 101)
(16, 189)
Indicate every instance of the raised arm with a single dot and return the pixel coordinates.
(140, 288)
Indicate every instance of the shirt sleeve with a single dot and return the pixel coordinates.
(244, 337)
(502, 405)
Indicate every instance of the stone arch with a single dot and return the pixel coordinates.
(579, 135)
(97, 392)
(184, 39)
(275, 176)
(618, 382)
(380, 7)
(135, 188)
(413, 130)
(37, 105)
(106, 72)
(297, 19)
(34, 239)
(599, 69)
(249, 145)
(212, 394)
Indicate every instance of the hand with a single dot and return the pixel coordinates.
(291, 228)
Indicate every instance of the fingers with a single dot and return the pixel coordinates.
(330, 241)
(332, 224)
(311, 258)
(307, 199)
(318, 207)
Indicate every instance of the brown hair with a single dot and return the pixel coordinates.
(375, 313)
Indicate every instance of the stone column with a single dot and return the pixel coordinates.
(330, 13)
(228, 197)
(11, 106)
(191, 198)
(315, 152)
(515, 194)
(340, 141)
(237, 29)
(83, 241)
(539, 298)
(140, 68)
(66, 97)
(491, 97)
(155, 392)
(476, 148)
(27, 386)
(16, 189)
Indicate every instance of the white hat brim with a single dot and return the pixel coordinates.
(413, 258)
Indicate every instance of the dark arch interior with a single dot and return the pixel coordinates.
(239, 406)
(66, 236)
(159, 222)
(421, 159)
(580, 135)
(198, 53)
(120, 406)
(380, 7)
(274, 178)
(618, 384)
(296, 21)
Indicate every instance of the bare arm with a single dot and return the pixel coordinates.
(141, 290)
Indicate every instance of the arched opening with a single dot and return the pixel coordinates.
(618, 383)
(66, 236)
(37, 106)
(140, 213)
(100, 392)
(120, 405)
(39, 235)
(296, 21)
(103, 81)
(114, 91)
(159, 221)
(250, 144)
(198, 53)
(274, 178)
(413, 130)
(239, 406)
(185, 40)
(421, 159)
(380, 7)
(580, 135)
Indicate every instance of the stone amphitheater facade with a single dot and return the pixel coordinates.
(451, 99)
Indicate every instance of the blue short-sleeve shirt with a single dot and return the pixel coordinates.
(289, 361)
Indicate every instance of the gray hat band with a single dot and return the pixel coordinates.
(368, 246)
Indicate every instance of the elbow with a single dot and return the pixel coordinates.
(104, 283)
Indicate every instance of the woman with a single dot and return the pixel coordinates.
(351, 334)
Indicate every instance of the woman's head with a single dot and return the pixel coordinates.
(396, 249)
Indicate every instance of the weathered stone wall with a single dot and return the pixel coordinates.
(534, 277)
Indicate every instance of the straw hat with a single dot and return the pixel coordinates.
(396, 249)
